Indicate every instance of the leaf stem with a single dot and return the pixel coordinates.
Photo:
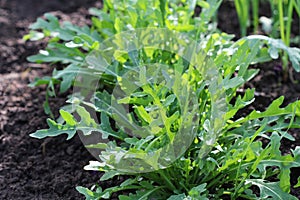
(255, 5)
(283, 36)
(281, 20)
(167, 180)
(289, 22)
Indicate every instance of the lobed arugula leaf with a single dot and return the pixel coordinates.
(270, 189)
(276, 45)
(54, 130)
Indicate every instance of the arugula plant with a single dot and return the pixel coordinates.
(230, 165)
(225, 156)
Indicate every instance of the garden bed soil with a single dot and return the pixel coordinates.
(31, 168)
(53, 167)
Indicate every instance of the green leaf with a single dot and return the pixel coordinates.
(47, 108)
(273, 52)
(97, 146)
(203, 4)
(273, 110)
(196, 192)
(294, 55)
(107, 130)
(118, 25)
(109, 175)
(169, 100)
(40, 81)
(118, 113)
(121, 56)
(240, 102)
(87, 125)
(233, 83)
(54, 130)
(68, 75)
(68, 118)
(293, 52)
(57, 55)
(85, 116)
(140, 195)
(86, 192)
(268, 189)
(177, 197)
(298, 184)
(34, 36)
(143, 114)
(51, 25)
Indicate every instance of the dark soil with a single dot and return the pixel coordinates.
(31, 168)
(52, 168)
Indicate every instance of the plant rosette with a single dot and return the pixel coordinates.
(147, 103)
(162, 109)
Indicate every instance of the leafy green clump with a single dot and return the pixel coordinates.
(160, 103)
